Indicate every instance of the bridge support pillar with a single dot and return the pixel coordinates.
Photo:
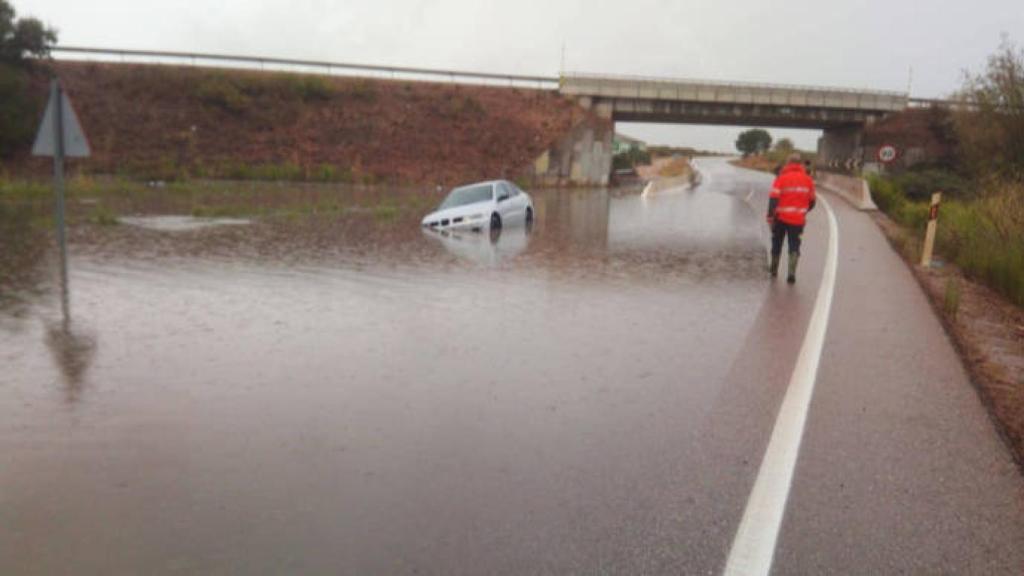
(584, 156)
(841, 147)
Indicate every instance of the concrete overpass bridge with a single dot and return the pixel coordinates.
(637, 99)
(584, 157)
(842, 114)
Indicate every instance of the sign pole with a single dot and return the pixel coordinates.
(57, 96)
(60, 135)
(929, 235)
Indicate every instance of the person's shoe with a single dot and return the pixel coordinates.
(773, 268)
(794, 257)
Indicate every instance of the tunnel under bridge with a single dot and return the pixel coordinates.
(841, 114)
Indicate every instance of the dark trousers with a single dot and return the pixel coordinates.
(780, 231)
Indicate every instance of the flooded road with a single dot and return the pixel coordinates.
(301, 396)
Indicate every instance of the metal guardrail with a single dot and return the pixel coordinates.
(195, 58)
(723, 84)
(329, 67)
(938, 102)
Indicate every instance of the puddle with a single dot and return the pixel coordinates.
(180, 223)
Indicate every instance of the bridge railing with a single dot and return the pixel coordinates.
(721, 83)
(298, 65)
(641, 87)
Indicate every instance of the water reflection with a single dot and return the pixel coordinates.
(577, 217)
(487, 248)
(72, 347)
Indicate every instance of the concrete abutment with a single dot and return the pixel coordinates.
(583, 157)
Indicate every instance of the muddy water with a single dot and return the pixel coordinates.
(319, 396)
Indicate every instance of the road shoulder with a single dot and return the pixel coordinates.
(901, 469)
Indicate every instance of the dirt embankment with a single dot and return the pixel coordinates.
(756, 162)
(169, 122)
(665, 167)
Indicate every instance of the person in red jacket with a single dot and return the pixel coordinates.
(791, 199)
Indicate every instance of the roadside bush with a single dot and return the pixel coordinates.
(920, 184)
(271, 172)
(222, 92)
(362, 90)
(17, 112)
(309, 88)
(331, 173)
(984, 237)
(991, 128)
(631, 158)
(23, 43)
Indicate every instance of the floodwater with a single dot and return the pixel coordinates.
(310, 397)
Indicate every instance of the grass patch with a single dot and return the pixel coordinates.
(951, 297)
(984, 237)
(385, 212)
(309, 88)
(220, 91)
(675, 168)
(105, 216)
(362, 90)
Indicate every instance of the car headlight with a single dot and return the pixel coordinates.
(475, 217)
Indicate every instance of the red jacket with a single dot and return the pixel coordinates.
(794, 190)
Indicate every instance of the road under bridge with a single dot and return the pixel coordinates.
(841, 114)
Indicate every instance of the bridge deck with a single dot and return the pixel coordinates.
(636, 88)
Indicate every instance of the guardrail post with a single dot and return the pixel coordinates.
(929, 235)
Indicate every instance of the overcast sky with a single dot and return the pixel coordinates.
(856, 44)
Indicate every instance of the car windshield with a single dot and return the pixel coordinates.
(467, 195)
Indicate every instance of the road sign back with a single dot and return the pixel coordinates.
(75, 143)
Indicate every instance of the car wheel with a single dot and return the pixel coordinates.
(495, 221)
(529, 216)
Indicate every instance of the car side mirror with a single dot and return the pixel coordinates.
(503, 197)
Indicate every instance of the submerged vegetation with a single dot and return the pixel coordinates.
(103, 201)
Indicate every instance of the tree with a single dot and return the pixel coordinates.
(21, 41)
(784, 145)
(21, 38)
(754, 141)
(990, 125)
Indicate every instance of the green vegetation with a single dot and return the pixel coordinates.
(21, 40)
(165, 170)
(309, 88)
(235, 92)
(101, 201)
(981, 221)
(363, 90)
(951, 297)
(222, 92)
(754, 141)
(104, 216)
(991, 127)
(631, 158)
(784, 146)
(983, 236)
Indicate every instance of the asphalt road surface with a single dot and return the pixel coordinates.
(594, 396)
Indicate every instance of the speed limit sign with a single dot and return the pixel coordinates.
(887, 153)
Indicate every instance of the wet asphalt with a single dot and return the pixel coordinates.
(591, 396)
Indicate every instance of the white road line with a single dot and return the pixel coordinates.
(754, 545)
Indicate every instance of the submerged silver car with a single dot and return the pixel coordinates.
(482, 205)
